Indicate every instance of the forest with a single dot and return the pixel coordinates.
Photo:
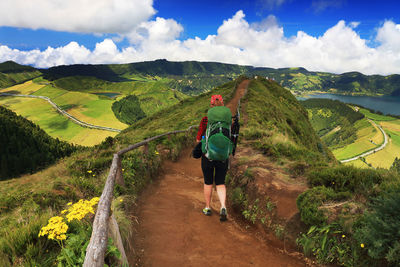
(25, 147)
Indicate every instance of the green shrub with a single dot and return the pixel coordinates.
(329, 244)
(238, 198)
(379, 230)
(309, 203)
(346, 178)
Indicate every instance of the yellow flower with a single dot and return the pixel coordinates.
(121, 200)
(123, 169)
(69, 203)
(94, 175)
(343, 236)
(156, 152)
(63, 211)
(362, 245)
(89, 171)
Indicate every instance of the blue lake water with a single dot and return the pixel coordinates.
(384, 104)
(110, 94)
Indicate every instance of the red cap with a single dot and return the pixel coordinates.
(216, 97)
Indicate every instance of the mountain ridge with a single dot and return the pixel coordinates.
(295, 79)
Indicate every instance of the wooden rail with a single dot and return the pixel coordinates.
(104, 222)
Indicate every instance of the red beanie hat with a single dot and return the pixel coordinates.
(216, 97)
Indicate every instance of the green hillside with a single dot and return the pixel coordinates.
(280, 125)
(12, 73)
(333, 121)
(24, 147)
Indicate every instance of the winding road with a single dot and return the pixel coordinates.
(69, 116)
(385, 142)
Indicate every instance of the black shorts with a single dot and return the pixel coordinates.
(214, 170)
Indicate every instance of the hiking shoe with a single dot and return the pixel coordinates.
(222, 215)
(207, 211)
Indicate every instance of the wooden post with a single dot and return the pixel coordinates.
(97, 247)
(116, 236)
(119, 178)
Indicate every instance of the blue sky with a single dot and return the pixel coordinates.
(325, 35)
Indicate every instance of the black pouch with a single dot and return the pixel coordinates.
(196, 153)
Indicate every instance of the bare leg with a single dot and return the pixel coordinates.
(207, 194)
(221, 191)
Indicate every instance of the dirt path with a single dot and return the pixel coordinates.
(172, 231)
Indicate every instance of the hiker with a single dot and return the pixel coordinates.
(216, 145)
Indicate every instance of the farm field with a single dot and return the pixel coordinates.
(43, 114)
(376, 117)
(366, 133)
(86, 107)
(26, 88)
(383, 158)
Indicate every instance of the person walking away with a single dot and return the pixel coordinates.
(215, 135)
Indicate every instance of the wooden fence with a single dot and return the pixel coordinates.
(104, 221)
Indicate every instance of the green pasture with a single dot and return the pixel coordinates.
(26, 88)
(357, 163)
(376, 117)
(365, 133)
(86, 107)
(153, 92)
(43, 114)
(386, 156)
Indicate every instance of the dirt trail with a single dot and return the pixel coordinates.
(172, 231)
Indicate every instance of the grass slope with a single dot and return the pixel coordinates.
(12, 73)
(43, 114)
(28, 202)
(279, 124)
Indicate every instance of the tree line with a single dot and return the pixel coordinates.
(25, 147)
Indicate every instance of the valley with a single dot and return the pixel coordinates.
(287, 157)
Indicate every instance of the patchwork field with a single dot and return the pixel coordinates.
(43, 114)
(26, 88)
(366, 132)
(86, 107)
(385, 157)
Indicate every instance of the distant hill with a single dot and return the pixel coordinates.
(12, 73)
(193, 77)
(24, 147)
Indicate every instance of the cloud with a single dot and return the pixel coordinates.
(263, 44)
(270, 4)
(354, 24)
(84, 16)
(321, 5)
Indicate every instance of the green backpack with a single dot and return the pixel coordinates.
(217, 144)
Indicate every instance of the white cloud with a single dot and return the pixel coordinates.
(86, 16)
(354, 24)
(321, 5)
(270, 4)
(339, 49)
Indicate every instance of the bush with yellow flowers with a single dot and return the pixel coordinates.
(73, 244)
(57, 228)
